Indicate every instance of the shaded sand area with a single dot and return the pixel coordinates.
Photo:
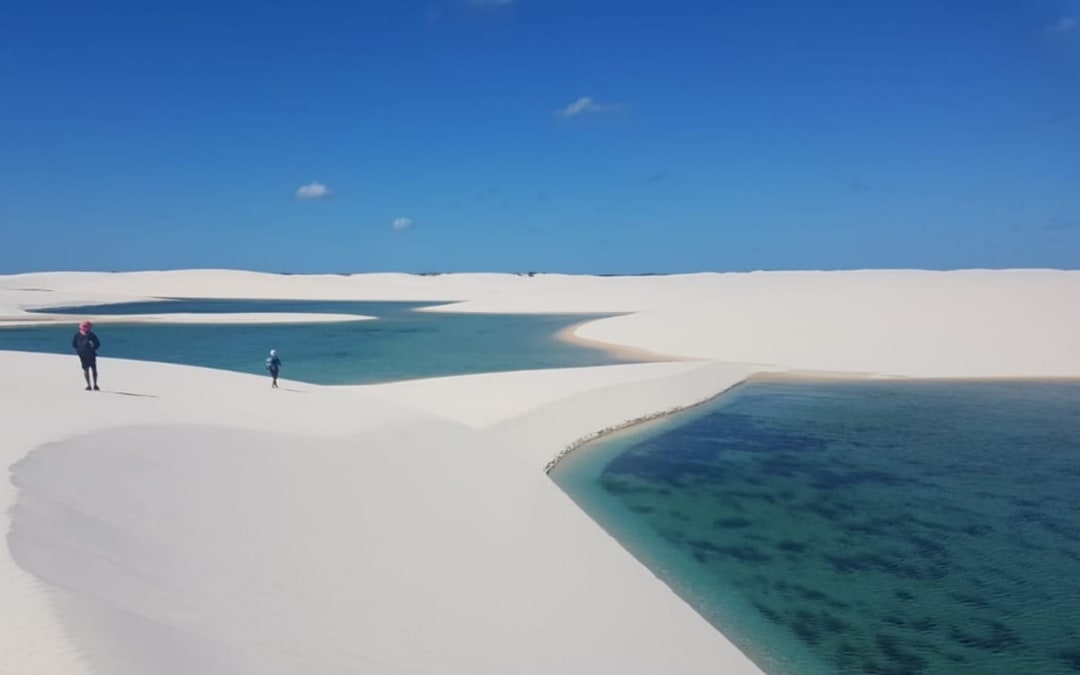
(187, 520)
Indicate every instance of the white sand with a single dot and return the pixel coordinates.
(194, 521)
(31, 319)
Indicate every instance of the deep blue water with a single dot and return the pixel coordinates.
(899, 527)
(400, 344)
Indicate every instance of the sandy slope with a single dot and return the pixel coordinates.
(193, 521)
(923, 324)
(235, 529)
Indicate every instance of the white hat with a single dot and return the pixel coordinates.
(273, 352)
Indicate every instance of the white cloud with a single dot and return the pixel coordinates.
(402, 224)
(1063, 25)
(313, 190)
(585, 104)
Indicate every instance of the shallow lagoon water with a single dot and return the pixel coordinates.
(861, 527)
(401, 344)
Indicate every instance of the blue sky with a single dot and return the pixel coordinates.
(579, 136)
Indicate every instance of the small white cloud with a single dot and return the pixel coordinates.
(585, 104)
(402, 224)
(1062, 25)
(313, 190)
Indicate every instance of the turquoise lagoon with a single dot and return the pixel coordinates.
(401, 344)
(861, 527)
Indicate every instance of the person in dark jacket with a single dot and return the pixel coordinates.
(86, 344)
(273, 364)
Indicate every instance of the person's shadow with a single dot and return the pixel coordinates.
(129, 393)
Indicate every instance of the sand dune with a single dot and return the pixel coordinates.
(919, 324)
(235, 529)
(187, 520)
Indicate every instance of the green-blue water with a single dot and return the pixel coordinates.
(400, 344)
(914, 527)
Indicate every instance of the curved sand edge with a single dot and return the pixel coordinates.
(349, 523)
(622, 351)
